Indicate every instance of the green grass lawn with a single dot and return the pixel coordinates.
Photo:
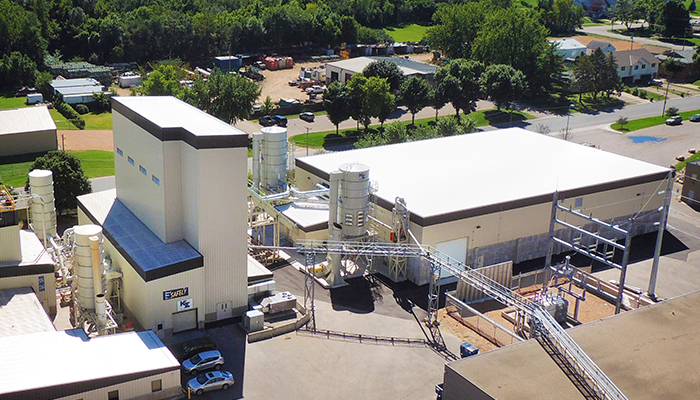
(8, 101)
(14, 170)
(682, 164)
(61, 121)
(408, 33)
(101, 121)
(327, 139)
(637, 124)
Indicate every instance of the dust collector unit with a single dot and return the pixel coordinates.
(83, 256)
(353, 201)
(273, 159)
(43, 210)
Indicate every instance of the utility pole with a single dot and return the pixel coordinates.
(63, 142)
(668, 83)
(307, 140)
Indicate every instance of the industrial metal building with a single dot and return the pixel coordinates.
(70, 365)
(344, 69)
(176, 223)
(486, 197)
(78, 90)
(27, 130)
(649, 353)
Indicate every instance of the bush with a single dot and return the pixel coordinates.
(671, 111)
(643, 94)
(78, 122)
(81, 109)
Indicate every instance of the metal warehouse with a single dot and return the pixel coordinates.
(344, 69)
(176, 224)
(486, 197)
(27, 130)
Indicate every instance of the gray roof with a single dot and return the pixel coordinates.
(598, 44)
(80, 90)
(626, 58)
(683, 56)
(149, 256)
(407, 65)
(23, 120)
(567, 44)
(21, 313)
(78, 82)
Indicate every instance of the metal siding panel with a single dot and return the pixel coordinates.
(171, 185)
(10, 244)
(222, 226)
(136, 389)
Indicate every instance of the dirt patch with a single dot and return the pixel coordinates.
(85, 140)
(463, 332)
(619, 44)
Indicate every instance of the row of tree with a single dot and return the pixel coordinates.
(109, 31)
(667, 18)
(373, 93)
(489, 34)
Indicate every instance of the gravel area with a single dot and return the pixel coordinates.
(85, 140)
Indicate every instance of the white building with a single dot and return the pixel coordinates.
(569, 48)
(69, 365)
(27, 130)
(486, 197)
(78, 90)
(344, 69)
(636, 65)
(176, 223)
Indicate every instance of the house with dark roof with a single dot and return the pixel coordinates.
(684, 60)
(605, 47)
(636, 65)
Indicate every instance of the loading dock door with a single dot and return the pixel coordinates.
(185, 321)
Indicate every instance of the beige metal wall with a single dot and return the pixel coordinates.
(223, 218)
(28, 142)
(47, 297)
(457, 387)
(137, 191)
(10, 244)
(139, 389)
(144, 300)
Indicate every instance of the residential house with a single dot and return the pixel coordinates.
(684, 58)
(636, 65)
(569, 48)
(597, 44)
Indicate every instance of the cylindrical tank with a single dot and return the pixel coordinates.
(354, 199)
(43, 210)
(273, 174)
(83, 257)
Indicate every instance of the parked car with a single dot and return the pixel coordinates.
(656, 82)
(307, 116)
(675, 120)
(280, 120)
(211, 381)
(294, 83)
(315, 89)
(189, 348)
(694, 118)
(267, 120)
(204, 360)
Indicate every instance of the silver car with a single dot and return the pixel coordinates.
(204, 360)
(211, 381)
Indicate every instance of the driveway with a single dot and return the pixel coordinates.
(602, 30)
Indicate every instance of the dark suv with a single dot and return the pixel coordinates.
(184, 350)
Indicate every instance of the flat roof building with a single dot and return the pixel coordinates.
(176, 223)
(486, 197)
(649, 353)
(27, 130)
(342, 70)
(69, 365)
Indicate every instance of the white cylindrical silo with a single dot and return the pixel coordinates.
(255, 164)
(353, 204)
(273, 174)
(83, 258)
(43, 210)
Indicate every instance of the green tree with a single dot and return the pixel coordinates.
(232, 96)
(596, 73)
(370, 97)
(503, 84)
(164, 80)
(69, 178)
(336, 101)
(458, 82)
(625, 11)
(675, 19)
(416, 95)
(267, 106)
(455, 28)
(561, 16)
(387, 70)
(692, 7)
(43, 84)
(651, 11)
(17, 69)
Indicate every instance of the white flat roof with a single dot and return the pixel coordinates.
(308, 216)
(358, 64)
(452, 174)
(22, 120)
(47, 359)
(169, 112)
(22, 313)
